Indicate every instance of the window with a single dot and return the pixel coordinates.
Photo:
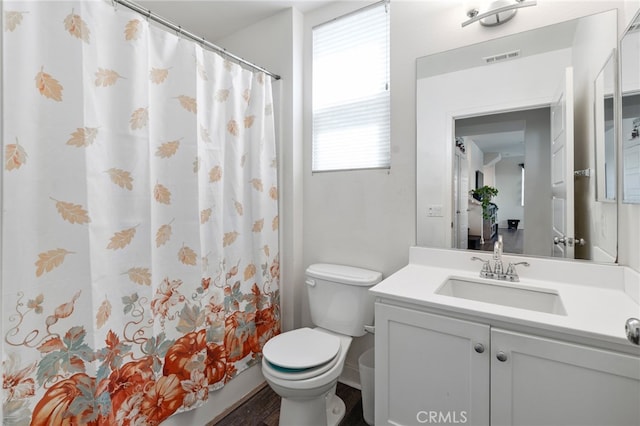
(351, 103)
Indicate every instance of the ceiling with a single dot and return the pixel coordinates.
(214, 19)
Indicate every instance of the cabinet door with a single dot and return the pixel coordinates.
(548, 382)
(428, 369)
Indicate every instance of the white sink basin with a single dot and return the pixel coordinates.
(503, 293)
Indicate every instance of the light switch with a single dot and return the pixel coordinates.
(434, 211)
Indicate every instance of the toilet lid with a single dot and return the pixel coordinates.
(301, 348)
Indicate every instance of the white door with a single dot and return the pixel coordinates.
(562, 236)
(538, 381)
(460, 201)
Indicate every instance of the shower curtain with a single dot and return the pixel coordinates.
(140, 265)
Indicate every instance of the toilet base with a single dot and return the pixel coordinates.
(329, 410)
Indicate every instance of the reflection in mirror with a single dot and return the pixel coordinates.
(510, 152)
(630, 129)
(605, 132)
(485, 91)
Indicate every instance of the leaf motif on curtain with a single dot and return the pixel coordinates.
(36, 304)
(162, 194)
(103, 314)
(187, 256)
(168, 149)
(257, 184)
(49, 260)
(274, 223)
(72, 213)
(273, 193)
(15, 156)
(12, 19)
(233, 128)
(105, 77)
(229, 238)
(246, 95)
(205, 215)
(122, 178)
(257, 225)
(48, 86)
(248, 121)
(249, 271)
(139, 118)
(222, 95)
(215, 174)
(77, 27)
(131, 30)
(164, 234)
(121, 239)
(204, 134)
(83, 137)
(188, 103)
(140, 276)
(158, 75)
(239, 207)
(202, 72)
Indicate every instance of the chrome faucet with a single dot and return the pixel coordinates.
(512, 274)
(498, 270)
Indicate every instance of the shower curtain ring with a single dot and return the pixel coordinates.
(179, 32)
(114, 3)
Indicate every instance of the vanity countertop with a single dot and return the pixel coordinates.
(598, 299)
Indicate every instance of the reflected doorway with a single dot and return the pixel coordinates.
(511, 152)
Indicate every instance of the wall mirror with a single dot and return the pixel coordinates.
(604, 90)
(501, 113)
(630, 111)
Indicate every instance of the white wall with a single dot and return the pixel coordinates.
(509, 184)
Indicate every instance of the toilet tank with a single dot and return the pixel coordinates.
(339, 297)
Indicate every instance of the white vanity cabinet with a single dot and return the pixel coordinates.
(539, 381)
(430, 365)
(433, 369)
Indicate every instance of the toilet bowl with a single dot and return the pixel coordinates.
(303, 365)
(308, 394)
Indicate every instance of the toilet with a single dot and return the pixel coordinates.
(303, 365)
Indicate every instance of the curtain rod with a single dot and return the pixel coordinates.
(159, 19)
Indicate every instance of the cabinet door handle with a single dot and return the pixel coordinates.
(479, 347)
(502, 357)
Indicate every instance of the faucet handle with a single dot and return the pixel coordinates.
(486, 271)
(512, 274)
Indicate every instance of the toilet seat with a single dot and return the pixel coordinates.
(301, 354)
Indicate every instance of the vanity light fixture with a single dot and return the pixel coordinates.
(499, 12)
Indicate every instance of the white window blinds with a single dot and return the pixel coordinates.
(351, 103)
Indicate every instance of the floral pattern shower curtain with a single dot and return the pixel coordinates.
(140, 259)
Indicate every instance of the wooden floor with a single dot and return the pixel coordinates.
(263, 409)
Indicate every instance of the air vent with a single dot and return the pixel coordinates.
(501, 57)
